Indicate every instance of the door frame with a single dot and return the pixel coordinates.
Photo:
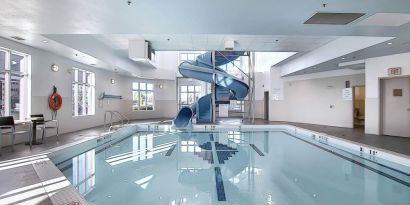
(353, 102)
(266, 105)
(381, 99)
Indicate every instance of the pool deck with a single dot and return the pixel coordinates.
(391, 143)
(16, 181)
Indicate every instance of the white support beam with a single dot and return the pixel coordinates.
(339, 47)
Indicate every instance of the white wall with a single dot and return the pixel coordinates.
(43, 79)
(261, 85)
(165, 105)
(376, 68)
(310, 100)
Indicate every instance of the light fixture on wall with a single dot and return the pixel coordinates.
(112, 81)
(55, 67)
(161, 86)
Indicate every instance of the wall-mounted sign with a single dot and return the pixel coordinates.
(347, 94)
(394, 71)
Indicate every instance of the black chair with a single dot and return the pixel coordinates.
(43, 125)
(7, 125)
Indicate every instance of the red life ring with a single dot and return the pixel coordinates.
(55, 101)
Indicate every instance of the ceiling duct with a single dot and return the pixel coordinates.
(229, 45)
(18, 38)
(354, 65)
(140, 50)
(333, 18)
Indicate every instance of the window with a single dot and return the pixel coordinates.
(237, 105)
(83, 86)
(235, 137)
(15, 84)
(188, 94)
(185, 56)
(84, 172)
(232, 67)
(142, 96)
(141, 144)
(190, 146)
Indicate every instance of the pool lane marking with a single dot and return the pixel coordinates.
(219, 185)
(170, 150)
(257, 150)
(220, 190)
(358, 163)
(211, 137)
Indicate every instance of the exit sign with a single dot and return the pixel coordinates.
(394, 71)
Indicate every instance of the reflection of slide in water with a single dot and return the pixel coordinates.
(231, 168)
(227, 86)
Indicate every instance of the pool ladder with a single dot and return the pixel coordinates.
(120, 117)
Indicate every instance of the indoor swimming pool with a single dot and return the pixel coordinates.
(228, 167)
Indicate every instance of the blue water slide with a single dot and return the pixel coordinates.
(227, 87)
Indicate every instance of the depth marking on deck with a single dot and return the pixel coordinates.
(219, 184)
(257, 150)
(171, 150)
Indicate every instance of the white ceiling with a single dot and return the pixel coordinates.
(199, 25)
(386, 19)
(235, 17)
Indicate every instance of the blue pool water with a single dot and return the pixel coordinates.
(230, 167)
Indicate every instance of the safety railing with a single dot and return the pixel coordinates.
(118, 117)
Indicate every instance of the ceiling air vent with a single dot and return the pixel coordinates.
(333, 18)
(18, 38)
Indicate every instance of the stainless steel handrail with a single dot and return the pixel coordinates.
(116, 114)
(122, 116)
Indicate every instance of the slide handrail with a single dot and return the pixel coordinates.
(243, 72)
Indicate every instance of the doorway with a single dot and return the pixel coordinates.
(395, 106)
(266, 105)
(359, 97)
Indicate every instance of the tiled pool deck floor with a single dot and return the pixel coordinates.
(17, 180)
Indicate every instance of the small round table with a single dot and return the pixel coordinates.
(34, 121)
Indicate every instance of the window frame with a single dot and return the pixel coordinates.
(24, 83)
(139, 91)
(75, 82)
(188, 56)
(187, 92)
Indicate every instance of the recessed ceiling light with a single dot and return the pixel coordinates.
(13, 62)
(343, 58)
(44, 41)
(389, 43)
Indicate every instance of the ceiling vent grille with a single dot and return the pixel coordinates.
(334, 18)
(18, 38)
